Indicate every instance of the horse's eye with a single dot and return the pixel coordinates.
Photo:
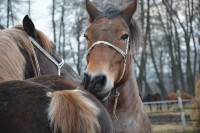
(124, 37)
(85, 37)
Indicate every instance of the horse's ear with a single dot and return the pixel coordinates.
(1, 27)
(93, 12)
(129, 11)
(29, 26)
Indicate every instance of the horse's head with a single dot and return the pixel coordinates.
(39, 38)
(110, 36)
(50, 62)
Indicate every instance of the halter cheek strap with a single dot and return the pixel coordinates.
(124, 54)
(59, 65)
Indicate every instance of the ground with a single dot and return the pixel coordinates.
(170, 121)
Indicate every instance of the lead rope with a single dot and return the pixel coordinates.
(115, 106)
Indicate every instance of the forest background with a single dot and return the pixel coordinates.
(169, 56)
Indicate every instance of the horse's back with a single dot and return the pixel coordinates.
(27, 106)
(58, 83)
(186, 95)
(172, 96)
(23, 107)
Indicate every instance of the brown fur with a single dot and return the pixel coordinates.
(59, 83)
(106, 63)
(30, 107)
(12, 62)
(173, 96)
(70, 103)
(24, 42)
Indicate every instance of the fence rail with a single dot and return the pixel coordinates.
(167, 101)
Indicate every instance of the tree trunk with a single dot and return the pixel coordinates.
(160, 79)
(8, 13)
(53, 20)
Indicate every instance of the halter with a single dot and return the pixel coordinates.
(59, 65)
(124, 54)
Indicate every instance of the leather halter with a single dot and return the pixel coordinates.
(124, 54)
(59, 65)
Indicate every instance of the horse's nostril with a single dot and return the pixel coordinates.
(100, 80)
(98, 83)
(86, 80)
(95, 84)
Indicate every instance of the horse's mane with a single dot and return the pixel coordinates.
(18, 30)
(111, 11)
(12, 62)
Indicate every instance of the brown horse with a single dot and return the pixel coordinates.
(173, 96)
(20, 58)
(110, 75)
(53, 104)
(153, 97)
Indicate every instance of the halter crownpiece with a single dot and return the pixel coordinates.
(59, 65)
(124, 54)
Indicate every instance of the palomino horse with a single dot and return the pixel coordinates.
(173, 96)
(110, 75)
(153, 97)
(53, 104)
(26, 52)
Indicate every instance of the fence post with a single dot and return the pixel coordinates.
(181, 110)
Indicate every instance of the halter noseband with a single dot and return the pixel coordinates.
(59, 65)
(124, 54)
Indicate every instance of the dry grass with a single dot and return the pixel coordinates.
(167, 128)
(170, 122)
(171, 128)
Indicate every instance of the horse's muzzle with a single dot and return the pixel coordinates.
(94, 84)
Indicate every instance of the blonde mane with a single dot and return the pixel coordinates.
(12, 62)
(70, 108)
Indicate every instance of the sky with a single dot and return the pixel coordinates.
(41, 16)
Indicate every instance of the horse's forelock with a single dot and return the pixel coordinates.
(110, 11)
(113, 12)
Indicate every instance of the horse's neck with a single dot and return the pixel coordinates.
(130, 110)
